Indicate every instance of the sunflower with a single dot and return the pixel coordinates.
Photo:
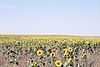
(65, 50)
(70, 60)
(52, 54)
(86, 42)
(34, 64)
(39, 52)
(84, 56)
(58, 63)
(70, 49)
(65, 54)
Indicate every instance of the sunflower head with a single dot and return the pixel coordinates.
(65, 54)
(70, 49)
(70, 60)
(84, 56)
(34, 64)
(58, 63)
(86, 42)
(65, 50)
(52, 54)
(39, 52)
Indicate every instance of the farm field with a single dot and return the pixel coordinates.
(49, 51)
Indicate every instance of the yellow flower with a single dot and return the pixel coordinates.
(58, 63)
(87, 42)
(70, 49)
(65, 54)
(39, 52)
(34, 64)
(52, 54)
(84, 56)
(70, 60)
(65, 50)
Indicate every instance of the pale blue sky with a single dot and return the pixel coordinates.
(68, 17)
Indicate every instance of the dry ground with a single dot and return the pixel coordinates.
(4, 61)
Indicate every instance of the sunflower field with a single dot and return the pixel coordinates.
(49, 51)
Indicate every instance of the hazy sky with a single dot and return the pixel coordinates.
(70, 17)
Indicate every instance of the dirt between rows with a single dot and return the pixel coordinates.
(4, 61)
